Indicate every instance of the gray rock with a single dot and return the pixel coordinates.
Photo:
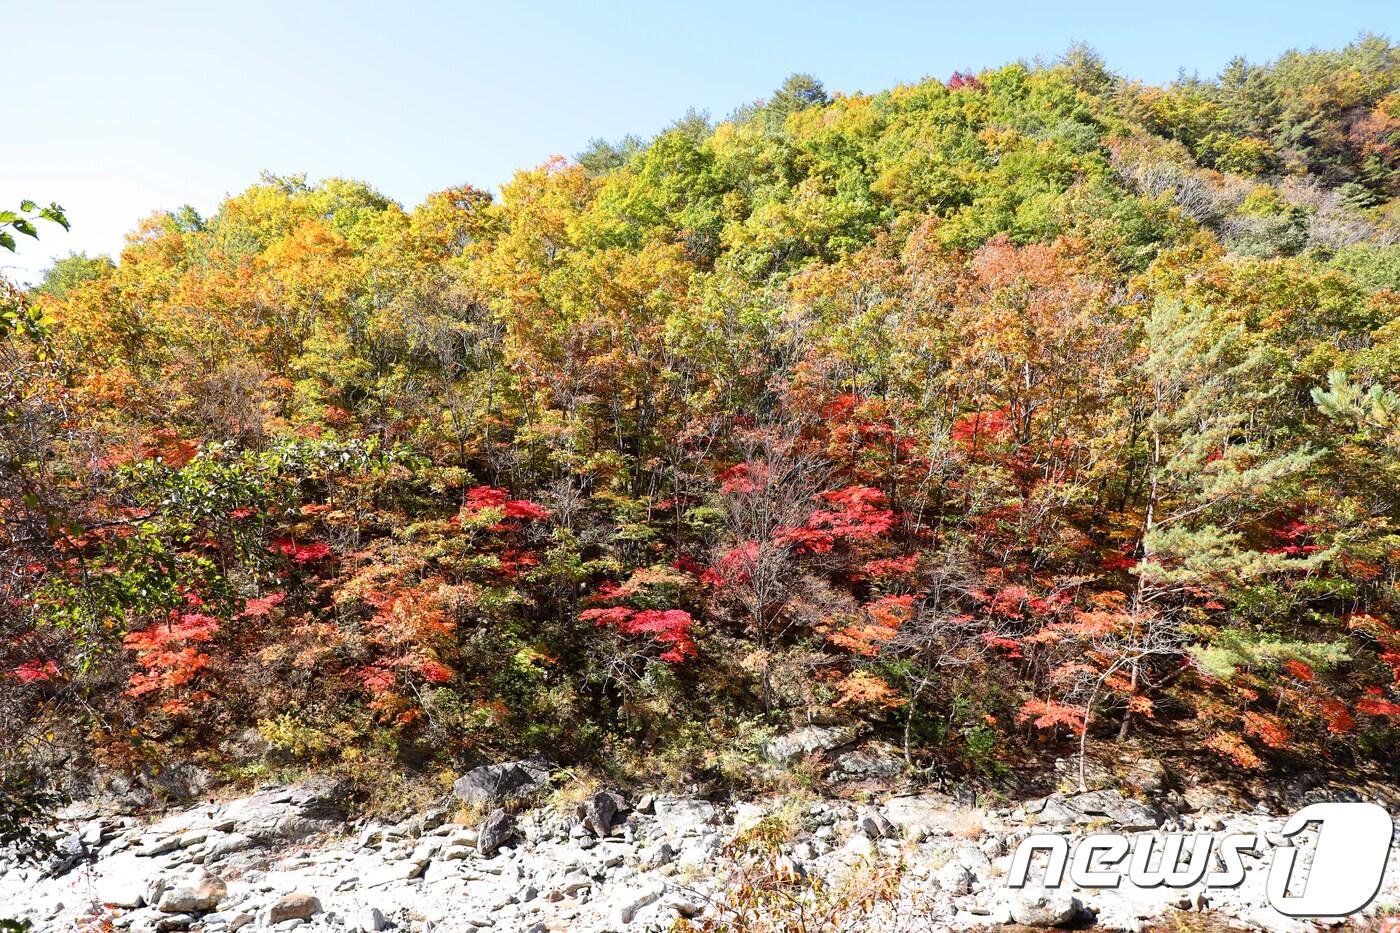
(197, 892)
(859, 846)
(879, 761)
(661, 855)
(152, 846)
(635, 901)
(1129, 815)
(193, 837)
(124, 880)
(221, 846)
(93, 833)
(495, 784)
(596, 814)
(874, 825)
(123, 892)
(919, 815)
(290, 813)
(807, 740)
(1044, 908)
(456, 853)
(68, 852)
(678, 814)
(1098, 806)
(229, 920)
(169, 922)
(495, 831)
(954, 878)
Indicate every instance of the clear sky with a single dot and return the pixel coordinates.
(115, 109)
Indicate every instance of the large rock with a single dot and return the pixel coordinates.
(1044, 908)
(596, 814)
(917, 815)
(224, 845)
(68, 851)
(1143, 775)
(298, 905)
(679, 815)
(495, 831)
(806, 741)
(878, 761)
(227, 921)
(496, 784)
(197, 892)
(123, 880)
(289, 813)
(1097, 806)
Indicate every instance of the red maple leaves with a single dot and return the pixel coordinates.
(1048, 714)
(302, 553)
(481, 498)
(35, 671)
(978, 428)
(858, 514)
(167, 651)
(670, 627)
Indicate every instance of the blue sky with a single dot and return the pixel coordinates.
(117, 109)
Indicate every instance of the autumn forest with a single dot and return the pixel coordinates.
(997, 415)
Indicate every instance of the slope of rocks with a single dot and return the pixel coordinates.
(284, 858)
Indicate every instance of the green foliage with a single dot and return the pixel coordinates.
(73, 270)
(23, 220)
(1236, 649)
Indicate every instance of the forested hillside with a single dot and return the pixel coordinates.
(994, 412)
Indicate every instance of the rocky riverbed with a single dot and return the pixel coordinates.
(500, 855)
